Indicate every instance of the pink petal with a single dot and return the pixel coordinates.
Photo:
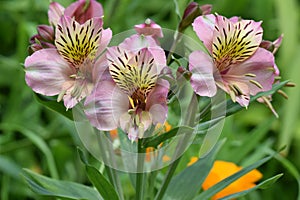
(55, 12)
(46, 72)
(261, 63)
(234, 19)
(243, 37)
(136, 42)
(76, 42)
(204, 28)
(105, 40)
(202, 68)
(81, 13)
(106, 105)
(157, 102)
(101, 70)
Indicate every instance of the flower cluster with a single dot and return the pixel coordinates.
(122, 86)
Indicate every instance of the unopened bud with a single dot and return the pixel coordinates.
(192, 11)
(46, 32)
(149, 28)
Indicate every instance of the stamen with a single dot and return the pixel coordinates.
(268, 103)
(232, 95)
(290, 84)
(250, 75)
(282, 93)
(240, 92)
(256, 84)
(277, 78)
(61, 95)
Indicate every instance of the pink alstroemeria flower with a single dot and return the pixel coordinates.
(136, 97)
(72, 68)
(235, 62)
(81, 10)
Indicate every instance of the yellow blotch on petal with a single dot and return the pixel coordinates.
(222, 170)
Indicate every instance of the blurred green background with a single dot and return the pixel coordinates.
(34, 137)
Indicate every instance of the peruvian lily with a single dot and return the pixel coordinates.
(235, 62)
(72, 68)
(136, 97)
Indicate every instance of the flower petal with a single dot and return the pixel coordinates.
(235, 41)
(77, 42)
(202, 80)
(157, 102)
(204, 26)
(132, 72)
(84, 10)
(136, 42)
(46, 72)
(106, 105)
(261, 64)
(55, 12)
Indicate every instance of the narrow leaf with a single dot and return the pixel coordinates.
(235, 107)
(9, 167)
(187, 183)
(102, 185)
(45, 186)
(52, 104)
(154, 141)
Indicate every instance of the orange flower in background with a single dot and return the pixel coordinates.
(192, 161)
(222, 170)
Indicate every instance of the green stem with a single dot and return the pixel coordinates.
(108, 157)
(139, 185)
(191, 113)
(177, 38)
(151, 178)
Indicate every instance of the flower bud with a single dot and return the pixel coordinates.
(149, 28)
(46, 32)
(192, 11)
(84, 10)
(271, 46)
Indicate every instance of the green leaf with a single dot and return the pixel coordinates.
(263, 185)
(227, 181)
(102, 185)
(235, 107)
(9, 167)
(43, 185)
(154, 141)
(187, 183)
(52, 104)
